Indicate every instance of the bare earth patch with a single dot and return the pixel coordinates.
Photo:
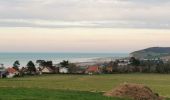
(134, 91)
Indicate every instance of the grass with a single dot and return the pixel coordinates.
(68, 86)
(48, 94)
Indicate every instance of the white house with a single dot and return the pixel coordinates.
(123, 64)
(63, 70)
(47, 70)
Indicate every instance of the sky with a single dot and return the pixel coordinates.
(83, 25)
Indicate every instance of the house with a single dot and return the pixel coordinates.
(93, 70)
(63, 70)
(123, 62)
(105, 68)
(47, 70)
(11, 72)
(80, 70)
(2, 71)
(109, 69)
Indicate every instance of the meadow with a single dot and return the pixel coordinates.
(77, 87)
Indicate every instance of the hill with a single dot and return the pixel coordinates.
(152, 52)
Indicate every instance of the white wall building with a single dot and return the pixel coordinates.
(63, 70)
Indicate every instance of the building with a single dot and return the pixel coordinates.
(63, 70)
(11, 72)
(93, 70)
(80, 70)
(109, 69)
(47, 70)
(123, 62)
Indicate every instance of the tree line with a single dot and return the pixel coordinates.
(135, 65)
(142, 66)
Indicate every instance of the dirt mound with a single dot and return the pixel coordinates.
(134, 91)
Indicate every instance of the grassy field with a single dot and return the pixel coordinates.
(76, 87)
(48, 94)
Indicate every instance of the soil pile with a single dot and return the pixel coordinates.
(134, 91)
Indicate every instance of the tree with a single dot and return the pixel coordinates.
(16, 65)
(49, 63)
(134, 61)
(31, 67)
(72, 68)
(163, 68)
(44, 63)
(64, 63)
(40, 63)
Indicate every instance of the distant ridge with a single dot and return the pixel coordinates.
(152, 52)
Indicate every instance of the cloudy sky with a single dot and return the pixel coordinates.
(83, 25)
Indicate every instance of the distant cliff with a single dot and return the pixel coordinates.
(152, 52)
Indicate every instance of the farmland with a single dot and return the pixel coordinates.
(77, 87)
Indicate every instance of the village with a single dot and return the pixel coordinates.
(121, 65)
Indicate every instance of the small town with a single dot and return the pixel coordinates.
(122, 65)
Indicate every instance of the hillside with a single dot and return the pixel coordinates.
(152, 52)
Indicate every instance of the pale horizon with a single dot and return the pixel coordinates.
(81, 39)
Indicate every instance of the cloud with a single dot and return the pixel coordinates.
(85, 13)
(87, 24)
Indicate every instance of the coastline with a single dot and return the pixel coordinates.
(8, 58)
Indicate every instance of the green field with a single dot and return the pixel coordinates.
(48, 94)
(76, 87)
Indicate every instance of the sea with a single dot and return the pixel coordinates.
(9, 58)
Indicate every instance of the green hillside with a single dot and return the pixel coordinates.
(152, 52)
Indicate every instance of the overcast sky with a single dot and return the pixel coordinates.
(83, 25)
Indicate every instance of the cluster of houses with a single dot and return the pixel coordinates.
(79, 68)
(11, 72)
(76, 68)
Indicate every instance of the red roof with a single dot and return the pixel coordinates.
(11, 70)
(93, 68)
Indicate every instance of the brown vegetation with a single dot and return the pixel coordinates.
(134, 91)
